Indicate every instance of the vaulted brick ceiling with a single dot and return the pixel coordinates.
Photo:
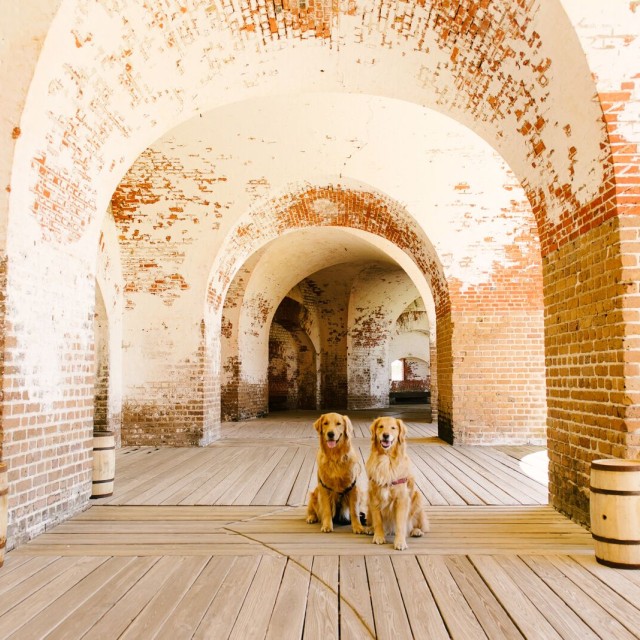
(117, 75)
(238, 166)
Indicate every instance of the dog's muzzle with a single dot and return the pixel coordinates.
(386, 441)
(331, 443)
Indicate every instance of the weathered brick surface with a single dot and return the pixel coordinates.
(378, 298)
(3, 288)
(292, 371)
(411, 343)
(591, 284)
(498, 346)
(586, 383)
(499, 379)
(48, 387)
(444, 378)
(115, 76)
(170, 411)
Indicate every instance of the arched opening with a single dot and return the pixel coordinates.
(330, 288)
(410, 381)
(411, 356)
(101, 388)
(322, 293)
(293, 368)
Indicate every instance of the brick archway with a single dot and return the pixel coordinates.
(337, 207)
(103, 91)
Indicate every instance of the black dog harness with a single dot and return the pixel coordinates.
(340, 493)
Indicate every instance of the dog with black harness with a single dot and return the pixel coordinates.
(337, 498)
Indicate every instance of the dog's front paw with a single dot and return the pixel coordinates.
(399, 544)
(378, 539)
(358, 529)
(416, 533)
(311, 519)
(368, 531)
(327, 528)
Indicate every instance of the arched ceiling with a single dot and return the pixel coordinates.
(287, 260)
(229, 172)
(114, 76)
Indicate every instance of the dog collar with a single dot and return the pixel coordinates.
(340, 493)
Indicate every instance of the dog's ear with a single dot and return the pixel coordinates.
(317, 425)
(349, 429)
(402, 431)
(373, 427)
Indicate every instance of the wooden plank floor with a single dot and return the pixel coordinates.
(200, 530)
(272, 462)
(212, 543)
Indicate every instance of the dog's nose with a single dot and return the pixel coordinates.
(330, 435)
(385, 436)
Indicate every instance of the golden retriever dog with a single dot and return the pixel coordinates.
(337, 496)
(395, 504)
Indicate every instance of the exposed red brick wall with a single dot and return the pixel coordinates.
(433, 362)
(158, 222)
(620, 113)
(172, 411)
(499, 378)
(416, 371)
(64, 201)
(332, 301)
(253, 399)
(333, 379)
(3, 288)
(442, 391)
(339, 207)
(586, 386)
(379, 295)
(168, 413)
(48, 398)
(498, 347)
(230, 408)
(592, 323)
(486, 62)
(292, 373)
(283, 369)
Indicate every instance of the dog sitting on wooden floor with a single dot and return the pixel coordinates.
(395, 504)
(337, 496)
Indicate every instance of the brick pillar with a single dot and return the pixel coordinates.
(433, 366)
(586, 377)
(368, 376)
(445, 376)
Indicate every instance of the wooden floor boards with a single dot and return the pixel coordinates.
(212, 543)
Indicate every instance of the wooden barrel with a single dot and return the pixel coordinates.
(104, 464)
(4, 507)
(615, 512)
